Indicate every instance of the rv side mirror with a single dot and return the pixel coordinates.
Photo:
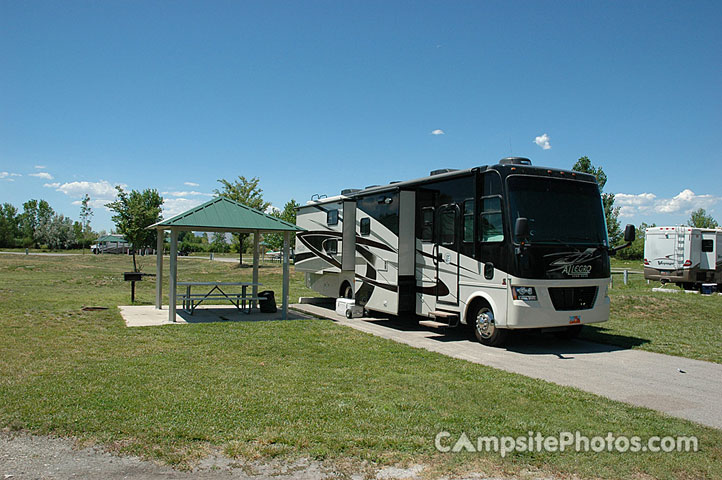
(521, 228)
(629, 233)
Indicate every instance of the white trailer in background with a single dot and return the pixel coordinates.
(500, 247)
(686, 256)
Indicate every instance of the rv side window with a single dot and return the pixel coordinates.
(365, 226)
(708, 245)
(332, 217)
(490, 225)
(331, 246)
(447, 222)
(468, 221)
(427, 230)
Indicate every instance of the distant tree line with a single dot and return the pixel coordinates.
(39, 226)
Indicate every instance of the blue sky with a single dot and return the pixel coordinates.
(313, 97)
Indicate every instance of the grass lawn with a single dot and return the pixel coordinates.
(681, 324)
(264, 389)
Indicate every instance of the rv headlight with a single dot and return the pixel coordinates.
(528, 294)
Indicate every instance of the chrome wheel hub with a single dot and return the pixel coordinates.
(485, 326)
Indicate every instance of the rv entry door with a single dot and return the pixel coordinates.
(447, 255)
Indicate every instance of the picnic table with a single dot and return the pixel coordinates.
(192, 300)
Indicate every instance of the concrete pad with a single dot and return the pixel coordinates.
(149, 316)
(678, 386)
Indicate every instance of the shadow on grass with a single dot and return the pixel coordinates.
(603, 335)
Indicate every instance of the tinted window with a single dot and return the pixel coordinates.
(447, 226)
(469, 221)
(365, 226)
(427, 229)
(331, 246)
(558, 210)
(332, 217)
(708, 245)
(491, 225)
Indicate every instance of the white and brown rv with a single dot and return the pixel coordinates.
(686, 256)
(501, 247)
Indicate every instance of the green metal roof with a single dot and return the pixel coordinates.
(221, 213)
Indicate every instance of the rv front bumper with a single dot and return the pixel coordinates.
(575, 302)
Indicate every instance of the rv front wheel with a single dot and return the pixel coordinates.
(485, 329)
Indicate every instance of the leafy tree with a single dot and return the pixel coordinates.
(614, 232)
(86, 214)
(288, 214)
(9, 225)
(218, 243)
(57, 232)
(249, 194)
(134, 212)
(701, 219)
(36, 215)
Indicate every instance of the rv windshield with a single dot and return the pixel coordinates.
(559, 211)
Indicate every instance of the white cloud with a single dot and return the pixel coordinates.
(101, 189)
(684, 202)
(438, 131)
(7, 176)
(272, 209)
(40, 167)
(191, 184)
(543, 141)
(188, 194)
(52, 185)
(174, 206)
(44, 175)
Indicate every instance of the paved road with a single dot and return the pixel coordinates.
(44, 254)
(677, 386)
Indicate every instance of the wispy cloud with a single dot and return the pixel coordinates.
(52, 185)
(40, 167)
(191, 184)
(543, 141)
(188, 194)
(8, 176)
(438, 131)
(684, 202)
(44, 175)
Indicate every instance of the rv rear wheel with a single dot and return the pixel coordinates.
(485, 329)
(346, 290)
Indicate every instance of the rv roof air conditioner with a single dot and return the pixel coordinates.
(372, 186)
(514, 161)
(441, 170)
(349, 191)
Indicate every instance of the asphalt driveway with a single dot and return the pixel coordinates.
(677, 386)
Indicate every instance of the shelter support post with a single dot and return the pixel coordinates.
(173, 274)
(256, 241)
(286, 259)
(159, 270)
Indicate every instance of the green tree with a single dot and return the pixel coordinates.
(701, 219)
(249, 194)
(614, 232)
(34, 221)
(86, 214)
(134, 212)
(9, 225)
(288, 214)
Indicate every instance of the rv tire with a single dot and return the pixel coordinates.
(346, 290)
(483, 325)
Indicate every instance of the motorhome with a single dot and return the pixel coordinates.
(497, 248)
(686, 256)
(110, 244)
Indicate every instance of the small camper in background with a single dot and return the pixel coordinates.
(686, 256)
